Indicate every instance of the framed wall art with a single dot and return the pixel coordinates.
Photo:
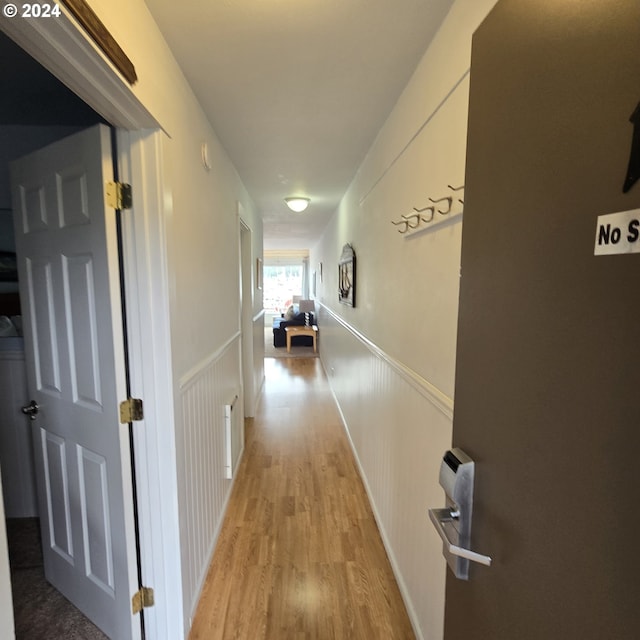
(347, 276)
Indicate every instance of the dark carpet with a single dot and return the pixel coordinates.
(41, 612)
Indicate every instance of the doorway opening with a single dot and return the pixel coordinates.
(41, 111)
(286, 284)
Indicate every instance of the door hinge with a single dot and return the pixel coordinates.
(131, 410)
(119, 195)
(142, 599)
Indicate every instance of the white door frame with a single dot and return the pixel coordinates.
(246, 314)
(62, 48)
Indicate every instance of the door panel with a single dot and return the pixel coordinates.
(83, 331)
(57, 495)
(94, 501)
(547, 360)
(45, 348)
(69, 284)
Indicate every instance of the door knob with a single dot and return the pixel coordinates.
(31, 410)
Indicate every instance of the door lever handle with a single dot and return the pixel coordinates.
(441, 516)
(31, 410)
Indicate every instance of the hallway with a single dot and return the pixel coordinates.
(299, 555)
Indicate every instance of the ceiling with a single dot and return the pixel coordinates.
(297, 90)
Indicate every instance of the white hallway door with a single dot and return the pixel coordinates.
(67, 252)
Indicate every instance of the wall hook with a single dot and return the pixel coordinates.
(404, 222)
(415, 216)
(455, 188)
(449, 199)
(425, 219)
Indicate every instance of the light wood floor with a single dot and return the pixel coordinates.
(299, 556)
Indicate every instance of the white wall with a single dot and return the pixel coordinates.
(391, 359)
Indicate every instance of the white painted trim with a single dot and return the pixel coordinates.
(246, 282)
(151, 379)
(438, 398)
(258, 316)
(193, 373)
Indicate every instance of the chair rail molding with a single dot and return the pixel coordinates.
(438, 398)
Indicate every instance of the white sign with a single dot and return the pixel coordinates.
(618, 233)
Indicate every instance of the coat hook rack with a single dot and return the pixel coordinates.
(410, 223)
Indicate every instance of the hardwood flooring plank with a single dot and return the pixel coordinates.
(299, 554)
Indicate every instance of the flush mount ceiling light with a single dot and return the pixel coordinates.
(297, 204)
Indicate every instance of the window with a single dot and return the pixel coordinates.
(281, 283)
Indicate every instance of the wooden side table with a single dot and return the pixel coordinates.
(294, 331)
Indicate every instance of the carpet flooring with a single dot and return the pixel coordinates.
(41, 612)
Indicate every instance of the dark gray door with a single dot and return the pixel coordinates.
(547, 396)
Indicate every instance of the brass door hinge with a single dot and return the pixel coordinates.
(142, 599)
(119, 195)
(131, 410)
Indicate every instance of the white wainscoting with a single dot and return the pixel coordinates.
(399, 426)
(205, 490)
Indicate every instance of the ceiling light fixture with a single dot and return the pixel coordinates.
(297, 204)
